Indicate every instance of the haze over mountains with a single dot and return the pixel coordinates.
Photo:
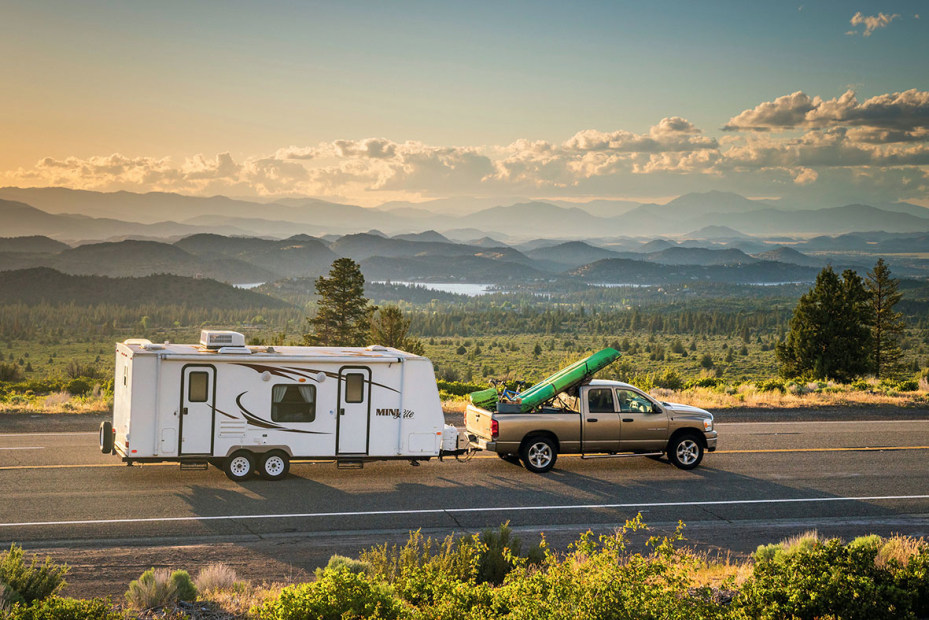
(73, 215)
(712, 237)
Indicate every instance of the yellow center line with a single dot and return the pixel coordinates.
(490, 456)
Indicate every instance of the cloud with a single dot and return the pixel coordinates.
(871, 22)
(906, 111)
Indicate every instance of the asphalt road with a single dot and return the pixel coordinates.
(767, 481)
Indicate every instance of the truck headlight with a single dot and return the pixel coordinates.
(708, 425)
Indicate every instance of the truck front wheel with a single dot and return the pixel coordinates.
(685, 451)
(538, 454)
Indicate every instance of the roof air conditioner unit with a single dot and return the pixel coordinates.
(217, 339)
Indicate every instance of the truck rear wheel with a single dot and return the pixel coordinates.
(539, 454)
(273, 465)
(685, 451)
(240, 465)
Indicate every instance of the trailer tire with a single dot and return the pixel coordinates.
(538, 454)
(273, 465)
(106, 437)
(239, 465)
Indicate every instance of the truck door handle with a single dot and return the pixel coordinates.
(591, 419)
(628, 420)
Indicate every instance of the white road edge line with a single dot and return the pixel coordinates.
(369, 513)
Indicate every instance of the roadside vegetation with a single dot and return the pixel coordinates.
(495, 575)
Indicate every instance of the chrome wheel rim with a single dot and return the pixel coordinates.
(687, 452)
(240, 466)
(274, 466)
(540, 454)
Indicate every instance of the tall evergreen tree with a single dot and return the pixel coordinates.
(888, 326)
(391, 329)
(342, 316)
(830, 331)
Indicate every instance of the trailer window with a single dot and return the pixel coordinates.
(198, 387)
(354, 387)
(293, 403)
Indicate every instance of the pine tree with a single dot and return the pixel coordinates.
(888, 326)
(342, 317)
(830, 331)
(390, 328)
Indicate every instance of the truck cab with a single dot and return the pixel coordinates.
(596, 419)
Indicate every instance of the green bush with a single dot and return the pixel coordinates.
(8, 597)
(78, 387)
(184, 587)
(458, 388)
(823, 579)
(338, 594)
(56, 608)
(154, 588)
(33, 581)
(669, 379)
(338, 562)
(771, 385)
(705, 382)
(499, 552)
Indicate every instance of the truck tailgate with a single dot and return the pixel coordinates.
(477, 421)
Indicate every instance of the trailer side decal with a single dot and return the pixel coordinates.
(290, 372)
(254, 420)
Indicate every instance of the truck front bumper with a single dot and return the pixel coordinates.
(711, 441)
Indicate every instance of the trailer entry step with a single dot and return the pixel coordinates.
(194, 465)
(349, 464)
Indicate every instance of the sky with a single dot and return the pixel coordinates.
(818, 103)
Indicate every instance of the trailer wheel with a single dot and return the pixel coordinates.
(538, 454)
(273, 465)
(685, 451)
(240, 465)
(106, 437)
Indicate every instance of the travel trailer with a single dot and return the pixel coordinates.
(254, 409)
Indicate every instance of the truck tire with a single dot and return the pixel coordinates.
(539, 454)
(106, 437)
(240, 465)
(685, 451)
(273, 465)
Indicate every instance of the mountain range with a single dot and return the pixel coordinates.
(53, 212)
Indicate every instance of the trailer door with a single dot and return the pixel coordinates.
(354, 409)
(198, 394)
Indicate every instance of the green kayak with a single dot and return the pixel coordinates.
(546, 389)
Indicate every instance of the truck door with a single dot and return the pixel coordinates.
(644, 424)
(601, 422)
(354, 409)
(198, 392)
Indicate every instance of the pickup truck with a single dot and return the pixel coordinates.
(595, 419)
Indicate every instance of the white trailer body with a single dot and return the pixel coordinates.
(247, 408)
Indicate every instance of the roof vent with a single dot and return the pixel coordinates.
(217, 339)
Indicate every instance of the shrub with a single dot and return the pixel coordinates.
(78, 387)
(337, 594)
(771, 385)
(669, 379)
(499, 552)
(154, 588)
(703, 382)
(339, 562)
(215, 577)
(8, 598)
(183, 586)
(10, 372)
(34, 581)
(56, 608)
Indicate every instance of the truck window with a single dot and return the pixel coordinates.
(293, 403)
(630, 401)
(600, 401)
(198, 385)
(354, 387)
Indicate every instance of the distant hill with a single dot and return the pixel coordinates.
(716, 232)
(570, 254)
(300, 256)
(38, 285)
(700, 256)
(626, 271)
(429, 235)
(849, 218)
(789, 255)
(36, 244)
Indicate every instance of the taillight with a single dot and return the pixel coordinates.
(494, 429)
